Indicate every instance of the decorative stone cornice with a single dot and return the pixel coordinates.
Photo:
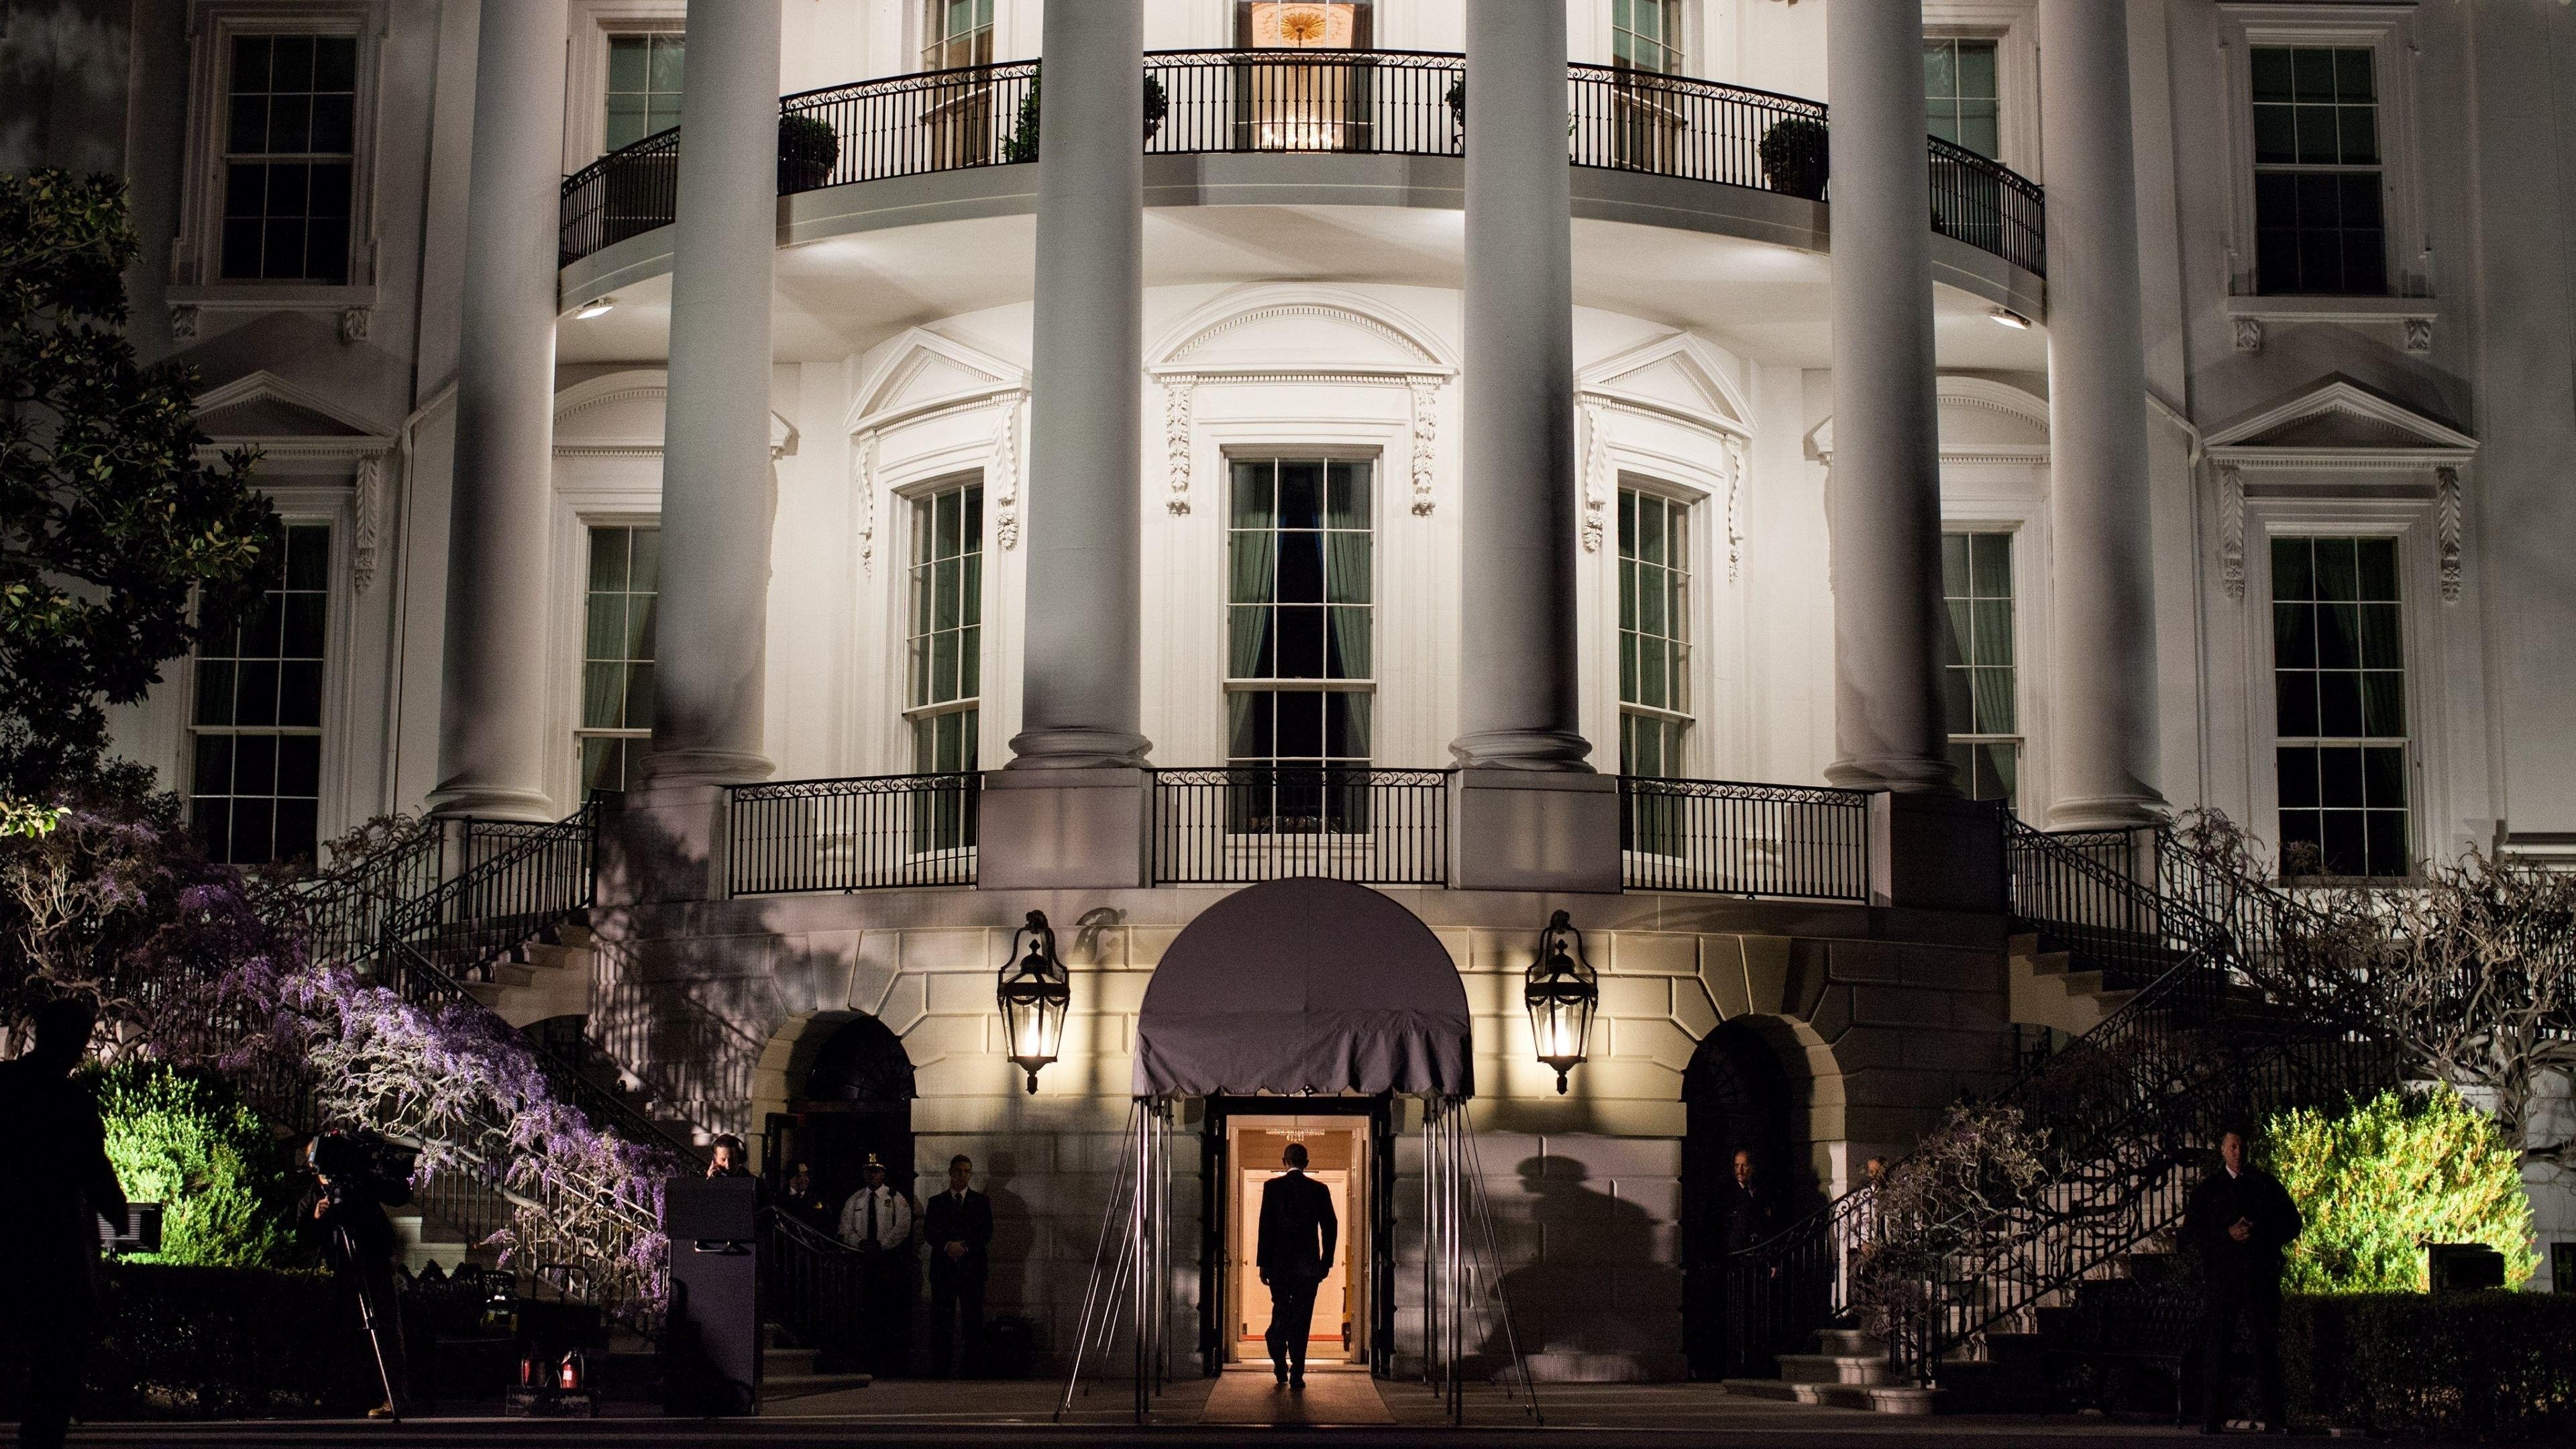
(1596, 464)
(1004, 473)
(1426, 430)
(2231, 531)
(1177, 440)
(2446, 529)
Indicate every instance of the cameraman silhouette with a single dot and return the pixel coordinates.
(343, 1215)
(57, 1187)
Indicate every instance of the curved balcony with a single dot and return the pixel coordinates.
(1392, 103)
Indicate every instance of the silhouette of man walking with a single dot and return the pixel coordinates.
(1296, 1243)
(51, 1200)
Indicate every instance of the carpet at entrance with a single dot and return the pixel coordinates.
(1254, 1397)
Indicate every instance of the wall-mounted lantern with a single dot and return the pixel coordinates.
(1562, 994)
(1033, 993)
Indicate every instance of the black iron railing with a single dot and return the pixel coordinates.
(863, 833)
(940, 120)
(627, 192)
(1398, 103)
(816, 1287)
(1384, 102)
(2086, 890)
(1727, 838)
(2122, 1119)
(1246, 823)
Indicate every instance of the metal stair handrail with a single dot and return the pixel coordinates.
(2167, 1063)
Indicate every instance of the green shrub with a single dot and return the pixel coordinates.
(2382, 1178)
(2451, 1365)
(182, 1140)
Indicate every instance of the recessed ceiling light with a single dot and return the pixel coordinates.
(2006, 317)
(597, 307)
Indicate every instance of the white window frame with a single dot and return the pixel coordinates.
(908, 498)
(2410, 521)
(2013, 25)
(312, 505)
(1695, 756)
(196, 253)
(2022, 621)
(594, 24)
(585, 525)
(1227, 683)
(2388, 32)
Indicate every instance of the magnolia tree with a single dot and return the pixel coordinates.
(2468, 973)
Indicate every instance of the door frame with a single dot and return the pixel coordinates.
(1215, 1176)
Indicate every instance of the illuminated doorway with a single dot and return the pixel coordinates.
(1350, 1150)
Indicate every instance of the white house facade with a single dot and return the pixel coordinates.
(909, 508)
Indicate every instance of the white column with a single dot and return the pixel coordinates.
(1886, 488)
(1528, 812)
(2102, 589)
(718, 493)
(492, 740)
(1069, 810)
(1518, 693)
(1078, 702)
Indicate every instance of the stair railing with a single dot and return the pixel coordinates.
(2118, 1119)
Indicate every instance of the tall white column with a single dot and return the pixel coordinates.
(1518, 705)
(718, 494)
(1069, 810)
(1529, 812)
(1078, 693)
(492, 741)
(2102, 588)
(1886, 489)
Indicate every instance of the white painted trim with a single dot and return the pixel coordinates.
(1245, 306)
(2014, 27)
(593, 23)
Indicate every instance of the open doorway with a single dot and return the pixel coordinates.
(853, 1103)
(1350, 1146)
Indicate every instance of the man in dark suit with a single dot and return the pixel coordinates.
(59, 1184)
(958, 1225)
(2240, 1218)
(1750, 1215)
(1296, 1245)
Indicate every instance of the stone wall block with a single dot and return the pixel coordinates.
(1873, 961)
(1604, 1157)
(1659, 1198)
(1657, 1041)
(955, 993)
(1902, 1006)
(1693, 1010)
(955, 949)
(1648, 996)
(907, 1001)
(1653, 953)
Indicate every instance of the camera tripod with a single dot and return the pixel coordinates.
(364, 1273)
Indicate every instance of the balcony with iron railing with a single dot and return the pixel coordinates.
(1240, 824)
(1383, 103)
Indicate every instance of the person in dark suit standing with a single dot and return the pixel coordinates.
(1749, 1215)
(1295, 1248)
(2239, 1219)
(58, 1185)
(958, 1225)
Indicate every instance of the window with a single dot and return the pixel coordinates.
(1646, 35)
(617, 657)
(2339, 691)
(1977, 673)
(1654, 633)
(643, 85)
(947, 627)
(255, 781)
(946, 656)
(956, 33)
(289, 149)
(2318, 225)
(1302, 25)
(1961, 96)
(1298, 642)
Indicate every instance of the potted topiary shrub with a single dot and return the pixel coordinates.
(1022, 144)
(1795, 159)
(807, 147)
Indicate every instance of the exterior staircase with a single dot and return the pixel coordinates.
(2155, 1037)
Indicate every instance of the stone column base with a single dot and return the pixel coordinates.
(665, 842)
(1080, 829)
(1936, 853)
(1534, 830)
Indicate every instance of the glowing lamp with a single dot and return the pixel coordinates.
(1561, 994)
(1033, 993)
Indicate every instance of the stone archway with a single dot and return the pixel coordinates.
(833, 1088)
(1738, 1094)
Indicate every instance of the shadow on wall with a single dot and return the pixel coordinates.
(1589, 1281)
(691, 1016)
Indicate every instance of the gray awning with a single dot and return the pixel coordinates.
(1305, 985)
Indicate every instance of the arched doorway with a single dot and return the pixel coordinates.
(853, 1099)
(1735, 1097)
(1298, 1010)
